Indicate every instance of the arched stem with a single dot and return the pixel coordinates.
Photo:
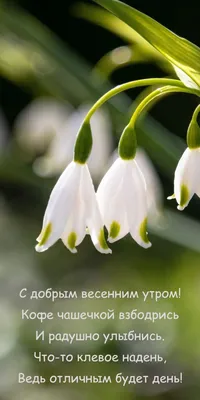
(131, 85)
(157, 93)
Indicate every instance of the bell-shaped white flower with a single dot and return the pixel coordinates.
(153, 184)
(122, 199)
(186, 180)
(72, 208)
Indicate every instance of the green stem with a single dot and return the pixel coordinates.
(115, 59)
(196, 112)
(128, 141)
(131, 85)
(193, 132)
(157, 93)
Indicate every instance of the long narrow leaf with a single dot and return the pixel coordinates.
(177, 50)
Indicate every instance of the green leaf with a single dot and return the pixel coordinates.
(143, 50)
(178, 51)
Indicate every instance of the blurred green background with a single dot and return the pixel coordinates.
(47, 60)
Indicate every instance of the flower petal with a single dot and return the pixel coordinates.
(185, 180)
(55, 194)
(75, 229)
(153, 185)
(135, 193)
(197, 179)
(93, 216)
(59, 206)
(110, 196)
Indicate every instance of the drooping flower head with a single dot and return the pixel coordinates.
(186, 179)
(72, 205)
(122, 195)
(152, 181)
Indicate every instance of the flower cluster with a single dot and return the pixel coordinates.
(123, 198)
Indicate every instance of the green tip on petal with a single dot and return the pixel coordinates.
(102, 240)
(83, 145)
(114, 230)
(143, 232)
(44, 236)
(184, 197)
(128, 144)
(71, 242)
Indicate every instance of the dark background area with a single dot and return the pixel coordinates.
(92, 42)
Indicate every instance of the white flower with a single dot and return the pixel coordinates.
(186, 181)
(72, 208)
(61, 147)
(122, 200)
(153, 184)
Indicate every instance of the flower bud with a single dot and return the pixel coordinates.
(128, 144)
(193, 133)
(83, 145)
